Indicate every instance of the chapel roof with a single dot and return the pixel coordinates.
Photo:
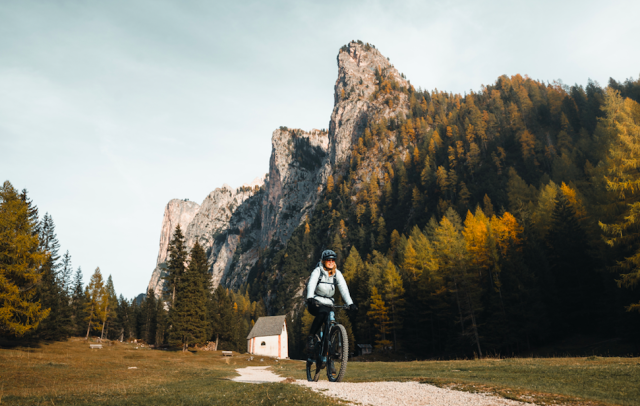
(267, 326)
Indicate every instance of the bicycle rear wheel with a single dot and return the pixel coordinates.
(338, 353)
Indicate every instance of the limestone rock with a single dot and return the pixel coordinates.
(178, 212)
(232, 225)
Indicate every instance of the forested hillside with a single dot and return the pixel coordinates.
(495, 221)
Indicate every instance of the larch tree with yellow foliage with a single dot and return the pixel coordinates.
(379, 314)
(393, 293)
(623, 180)
(20, 260)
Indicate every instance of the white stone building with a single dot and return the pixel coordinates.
(269, 337)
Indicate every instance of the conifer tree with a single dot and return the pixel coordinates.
(65, 274)
(189, 314)
(571, 268)
(124, 317)
(162, 323)
(623, 180)
(110, 303)
(78, 304)
(394, 292)
(96, 295)
(20, 260)
(149, 311)
(176, 263)
(51, 292)
(379, 314)
(453, 260)
(336, 246)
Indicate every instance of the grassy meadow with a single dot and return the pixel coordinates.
(69, 373)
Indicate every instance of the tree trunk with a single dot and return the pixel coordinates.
(216, 343)
(90, 318)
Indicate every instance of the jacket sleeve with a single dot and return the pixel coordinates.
(344, 289)
(313, 283)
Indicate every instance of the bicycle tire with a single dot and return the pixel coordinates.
(338, 353)
(312, 376)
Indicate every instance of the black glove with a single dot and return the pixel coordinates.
(311, 302)
(353, 307)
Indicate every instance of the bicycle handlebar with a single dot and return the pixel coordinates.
(346, 307)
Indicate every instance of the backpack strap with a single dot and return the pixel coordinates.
(335, 285)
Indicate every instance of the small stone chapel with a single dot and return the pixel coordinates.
(269, 337)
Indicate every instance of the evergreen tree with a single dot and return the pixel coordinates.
(571, 270)
(162, 323)
(78, 305)
(65, 274)
(188, 315)
(124, 313)
(110, 313)
(149, 311)
(223, 317)
(51, 292)
(176, 264)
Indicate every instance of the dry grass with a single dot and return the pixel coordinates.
(71, 373)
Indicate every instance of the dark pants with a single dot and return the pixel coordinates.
(322, 314)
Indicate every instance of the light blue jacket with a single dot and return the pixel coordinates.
(322, 287)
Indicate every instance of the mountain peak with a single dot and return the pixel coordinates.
(359, 66)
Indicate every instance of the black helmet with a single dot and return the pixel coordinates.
(328, 254)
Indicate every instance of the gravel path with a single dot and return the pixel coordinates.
(383, 393)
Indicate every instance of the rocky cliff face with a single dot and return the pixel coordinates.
(177, 213)
(356, 83)
(233, 225)
(296, 170)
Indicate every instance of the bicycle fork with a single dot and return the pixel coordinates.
(325, 347)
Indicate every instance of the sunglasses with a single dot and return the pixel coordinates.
(329, 260)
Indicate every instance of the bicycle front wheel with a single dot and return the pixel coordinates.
(338, 353)
(313, 373)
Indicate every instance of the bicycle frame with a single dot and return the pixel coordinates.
(323, 354)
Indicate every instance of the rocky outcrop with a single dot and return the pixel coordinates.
(296, 169)
(217, 224)
(177, 213)
(354, 89)
(233, 225)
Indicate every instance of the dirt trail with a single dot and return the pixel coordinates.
(383, 393)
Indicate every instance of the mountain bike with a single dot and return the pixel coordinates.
(330, 350)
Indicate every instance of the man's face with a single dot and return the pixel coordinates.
(329, 263)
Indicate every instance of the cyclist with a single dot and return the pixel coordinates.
(320, 290)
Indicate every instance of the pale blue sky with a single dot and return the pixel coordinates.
(110, 109)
